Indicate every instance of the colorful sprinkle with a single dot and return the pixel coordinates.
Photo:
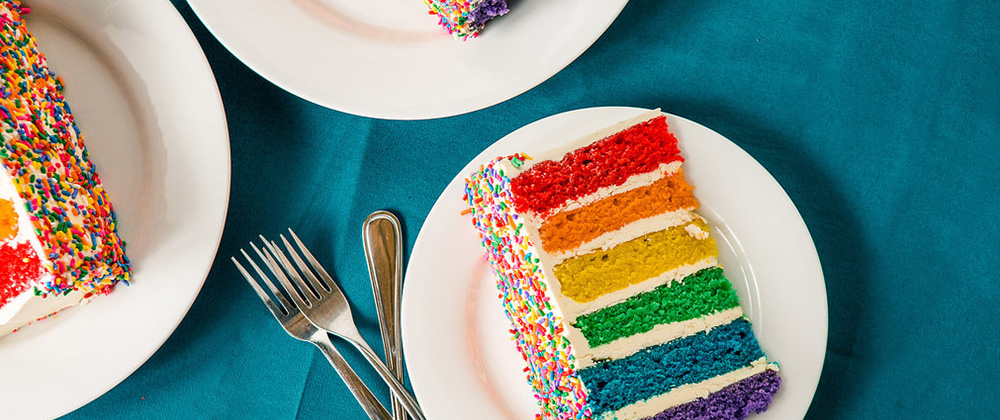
(465, 18)
(537, 330)
(44, 154)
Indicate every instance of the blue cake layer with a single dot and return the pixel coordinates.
(656, 370)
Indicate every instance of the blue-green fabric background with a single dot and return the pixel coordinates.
(879, 118)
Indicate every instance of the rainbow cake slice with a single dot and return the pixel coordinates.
(58, 239)
(612, 284)
(465, 18)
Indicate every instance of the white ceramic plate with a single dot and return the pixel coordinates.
(461, 360)
(147, 103)
(390, 59)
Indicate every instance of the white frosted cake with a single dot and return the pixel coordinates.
(59, 242)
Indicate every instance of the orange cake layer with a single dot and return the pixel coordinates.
(639, 149)
(567, 230)
(8, 220)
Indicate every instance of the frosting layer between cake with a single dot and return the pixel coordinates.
(601, 239)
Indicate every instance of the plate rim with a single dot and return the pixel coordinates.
(487, 153)
(197, 63)
(362, 108)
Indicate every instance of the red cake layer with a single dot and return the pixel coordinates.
(19, 266)
(638, 149)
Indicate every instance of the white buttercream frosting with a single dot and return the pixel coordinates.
(633, 230)
(569, 310)
(627, 346)
(573, 309)
(27, 307)
(685, 393)
(631, 183)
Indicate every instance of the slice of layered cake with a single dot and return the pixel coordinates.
(612, 284)
(59, 242)
(465, 18)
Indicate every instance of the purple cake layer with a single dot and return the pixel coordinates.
(736, 401)
(486, 11)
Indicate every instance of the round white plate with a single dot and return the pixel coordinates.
(390, 59)
(461, 360)
(150, 111)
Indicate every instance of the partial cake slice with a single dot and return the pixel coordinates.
(465, 18)
(59, 241)
(612, 283)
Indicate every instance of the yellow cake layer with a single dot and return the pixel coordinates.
(567, 230)
(589, 276)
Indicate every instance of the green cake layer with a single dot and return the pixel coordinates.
(703, 293)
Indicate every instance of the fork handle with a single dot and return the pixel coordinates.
(384, 253)
(396, 387)
(368, 402)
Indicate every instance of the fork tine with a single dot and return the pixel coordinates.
(277, 311)
(301, 301)
(292, 272)
(321, 288)
(315, 264)
(287, 306)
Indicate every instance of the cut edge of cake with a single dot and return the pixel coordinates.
(571, 352)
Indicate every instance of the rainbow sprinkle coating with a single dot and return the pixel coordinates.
(44, 154)
(465, 18)
(537, 329)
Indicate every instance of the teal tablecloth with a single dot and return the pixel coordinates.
(881, 119)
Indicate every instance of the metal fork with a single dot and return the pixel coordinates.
(299, 327)
(324, 304)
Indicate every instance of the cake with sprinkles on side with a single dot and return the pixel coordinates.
(465, 18)
(59, 243)
(612, 283)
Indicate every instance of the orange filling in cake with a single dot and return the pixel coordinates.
(567, 230)
(8, 220)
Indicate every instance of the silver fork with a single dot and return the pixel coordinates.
(299, 327)
(324, 304)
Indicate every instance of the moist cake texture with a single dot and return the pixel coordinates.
(611, 281)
